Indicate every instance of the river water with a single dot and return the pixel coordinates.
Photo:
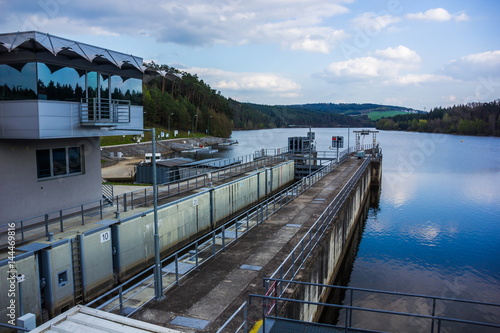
(436, 229)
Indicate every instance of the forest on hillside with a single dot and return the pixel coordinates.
(189, 104)
(468, 119)
(184, 102)
(256, 116)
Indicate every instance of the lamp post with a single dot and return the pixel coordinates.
(170, 115)
(158, 286)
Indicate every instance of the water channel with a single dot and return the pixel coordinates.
(436, 228)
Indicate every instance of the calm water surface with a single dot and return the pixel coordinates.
(436, 230)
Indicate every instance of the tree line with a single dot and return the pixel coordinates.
(189, 104)
(184, 102)
(466, 119)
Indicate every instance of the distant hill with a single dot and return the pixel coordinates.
(255, 116)
(349, 108)
(467, 119)
(184, 102)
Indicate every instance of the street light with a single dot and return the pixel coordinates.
(169, 124)
(157, 266)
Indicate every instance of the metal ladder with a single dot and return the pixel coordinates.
(77, 271)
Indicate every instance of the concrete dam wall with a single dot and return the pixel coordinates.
(324, 263)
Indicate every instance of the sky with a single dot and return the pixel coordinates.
(417, 54)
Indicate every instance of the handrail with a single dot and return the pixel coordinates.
(383, 292)
(306, 244)
(244, 325)
(351, 308)
(57, 221)
(221, 237)
(98, 110)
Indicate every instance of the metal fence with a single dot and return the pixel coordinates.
(292, 264)
(99, 110)
(300, 253)
(178, 265)
(35, 227)
(429, 313)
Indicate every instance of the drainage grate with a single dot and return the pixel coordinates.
(198, 324)
(251, 267)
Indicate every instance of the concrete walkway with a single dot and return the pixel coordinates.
(210, 296)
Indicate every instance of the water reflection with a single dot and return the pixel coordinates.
(437, 226)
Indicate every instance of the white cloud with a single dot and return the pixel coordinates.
(437, 14)
(358, 67)
(312, 39)
(450, 98)
(372, 23)
(474, 66)
(422, 78)
(260, 82)
(399, 53)
(293, 24)
(382, 64)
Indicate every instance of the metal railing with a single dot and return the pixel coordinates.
(107, 191)
(301, 252)
(35, 227)
(103, 110)
(178, 265)
(434, 316)
(234, 164)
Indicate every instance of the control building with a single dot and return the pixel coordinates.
(57, 97)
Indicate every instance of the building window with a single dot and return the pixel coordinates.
(37, 80)
(56, 162)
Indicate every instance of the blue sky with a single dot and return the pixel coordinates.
(418, 54)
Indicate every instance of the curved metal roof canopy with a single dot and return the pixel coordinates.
(34, 41)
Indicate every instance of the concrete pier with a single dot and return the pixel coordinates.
(203, 302)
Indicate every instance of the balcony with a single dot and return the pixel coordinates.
(101, 112)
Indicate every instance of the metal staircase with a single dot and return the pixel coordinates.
(107, 192)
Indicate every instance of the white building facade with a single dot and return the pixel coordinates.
(57, 98)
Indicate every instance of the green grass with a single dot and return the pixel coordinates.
(376, 115)
(121, 140)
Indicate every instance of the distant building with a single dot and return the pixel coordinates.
(57, 98)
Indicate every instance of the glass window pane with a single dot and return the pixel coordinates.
(59, 161)
(123, 88)
(43, 163)
(92, 84)
(18, 81)
(57, 83)
(104, 86)
(116, 87)
(74, 160)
